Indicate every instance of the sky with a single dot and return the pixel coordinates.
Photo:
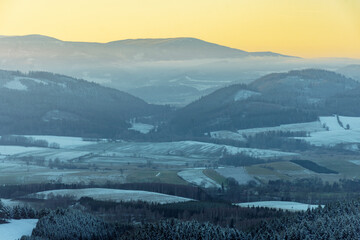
(305, 28)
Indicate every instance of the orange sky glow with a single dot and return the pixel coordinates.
(305, 28)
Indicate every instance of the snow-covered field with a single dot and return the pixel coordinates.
(10, 202)
(61, 154)
(11, 150)
(64, 142)
(15, 229)
(336, 133)
(15, 85)
(332, 138)
(238, 173)
(356, 162)
(284, 205)
(331, 123)
(198, 178)
(116, 195)
(141, 127)
(193, 149)
(353, 122)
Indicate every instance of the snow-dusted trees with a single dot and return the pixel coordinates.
(72, 225)
(178, 230)
(339, 220)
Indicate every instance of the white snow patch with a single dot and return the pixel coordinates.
(11, 150)
(352, 122)
(337, 134)
(197, 177)
(64, 142)
(16, 85)
(141, 127)
(116, 195)
(31, 79)
(284, 205)
(253, 152)
(193, 149)
(244, 94)
(15, 229)
(10, 202)
(356, 162)
(332, 138)
(331, 123)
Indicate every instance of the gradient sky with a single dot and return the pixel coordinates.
(306, 28)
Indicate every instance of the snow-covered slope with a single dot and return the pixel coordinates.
(141, 127)
(115, 195)
(238, 173)
(198, 178)
(11, 150)
(64, 142)
(15, 229)
(341, 130)
(284, 205)
(193, 149)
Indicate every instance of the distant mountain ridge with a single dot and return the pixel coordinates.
(135, 49)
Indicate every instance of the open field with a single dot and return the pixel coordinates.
(78, 161)
(214, 175)
(238, 173)
(198, 178)
(15, 229)
(341, 130)
(284, 205)
(64, 142)
(162, 176)
(115, 195)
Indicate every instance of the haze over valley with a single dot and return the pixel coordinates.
(171, 71)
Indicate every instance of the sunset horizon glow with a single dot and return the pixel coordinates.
(307, 28)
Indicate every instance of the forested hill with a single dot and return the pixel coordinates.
(281, 98)
(46, 103)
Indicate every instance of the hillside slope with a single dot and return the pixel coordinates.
(46, 103)
(296, 96)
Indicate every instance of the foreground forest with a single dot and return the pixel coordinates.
(339, 220)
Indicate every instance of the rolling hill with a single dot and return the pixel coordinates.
(138, 63)
(46, 103)
(281, 98)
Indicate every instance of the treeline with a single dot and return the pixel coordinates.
(310, 191)
(72, 225)
(18, 212)
(220, 213)
(14, 140)
(279, 140)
